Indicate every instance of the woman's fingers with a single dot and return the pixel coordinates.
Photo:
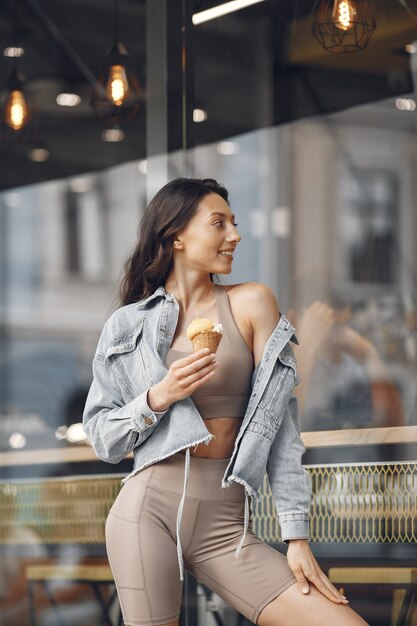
(323, 584)
(195, 355)
(301, 580)
(194, 368)
(338, 597)
(305, 568)
(189, 373)
(202, 374)
(311, 573)
(193, 362)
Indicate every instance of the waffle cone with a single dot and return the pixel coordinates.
(206, 339)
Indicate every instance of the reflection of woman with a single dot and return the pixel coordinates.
(147, 388)
(343, 378)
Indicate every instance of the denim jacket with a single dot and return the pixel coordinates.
(130, 359)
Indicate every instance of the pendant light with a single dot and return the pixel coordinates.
(118, 95)
(16, 112)
(342, 26)
(117, 88)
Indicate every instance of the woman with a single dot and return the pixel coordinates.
(152, 395)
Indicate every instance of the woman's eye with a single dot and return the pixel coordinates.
(221, 222)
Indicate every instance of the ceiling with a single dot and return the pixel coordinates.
(254, 68)
(65, 42)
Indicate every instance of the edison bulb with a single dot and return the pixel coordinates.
(16, 110)
(344, 13)
(117, 85)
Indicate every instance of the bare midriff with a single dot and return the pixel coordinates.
(225, 430)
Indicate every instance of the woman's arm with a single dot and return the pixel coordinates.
(286, 474)
(314, 327)
(262, 316)
(284, 465)
(113, 427)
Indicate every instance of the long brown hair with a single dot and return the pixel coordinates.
(150, 263)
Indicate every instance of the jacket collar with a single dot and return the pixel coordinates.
(159, 292)
(284, 324)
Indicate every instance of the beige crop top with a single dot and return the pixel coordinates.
(227, 393)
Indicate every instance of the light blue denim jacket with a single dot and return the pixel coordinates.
(117, 419)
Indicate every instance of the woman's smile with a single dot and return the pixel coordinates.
(227, 255)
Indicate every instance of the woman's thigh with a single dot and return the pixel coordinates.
(292, 608)
(248, 582)
(143, 555)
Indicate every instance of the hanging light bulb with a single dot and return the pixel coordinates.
(343, 25)
(17, 110)
(117, 95)
(117, 84)
(16, 113)
(344, 12)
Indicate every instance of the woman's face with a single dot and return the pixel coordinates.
(211, 229)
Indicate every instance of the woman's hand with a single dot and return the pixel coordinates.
(315, 326)
(305, 568)
(185, 376)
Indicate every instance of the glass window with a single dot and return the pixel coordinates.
(318, 150)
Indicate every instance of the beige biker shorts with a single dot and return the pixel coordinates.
(142, 550)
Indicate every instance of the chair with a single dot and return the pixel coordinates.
(96, 576)
(401, 580)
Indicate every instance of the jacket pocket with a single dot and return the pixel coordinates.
(275, 398)
(125, 341)
(126, 360)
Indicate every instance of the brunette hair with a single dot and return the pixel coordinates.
(169, 211)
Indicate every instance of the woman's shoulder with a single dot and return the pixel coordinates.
(254, 304)
(251, 293)
(257, 307)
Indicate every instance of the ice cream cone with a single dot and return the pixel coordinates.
(206, 339)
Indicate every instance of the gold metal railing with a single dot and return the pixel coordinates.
(368, 502)
(70, 510)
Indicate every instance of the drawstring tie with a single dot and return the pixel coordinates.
(179, 514)
(245, 525)
(180, 510)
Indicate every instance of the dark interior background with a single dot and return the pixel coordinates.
(233, 64)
